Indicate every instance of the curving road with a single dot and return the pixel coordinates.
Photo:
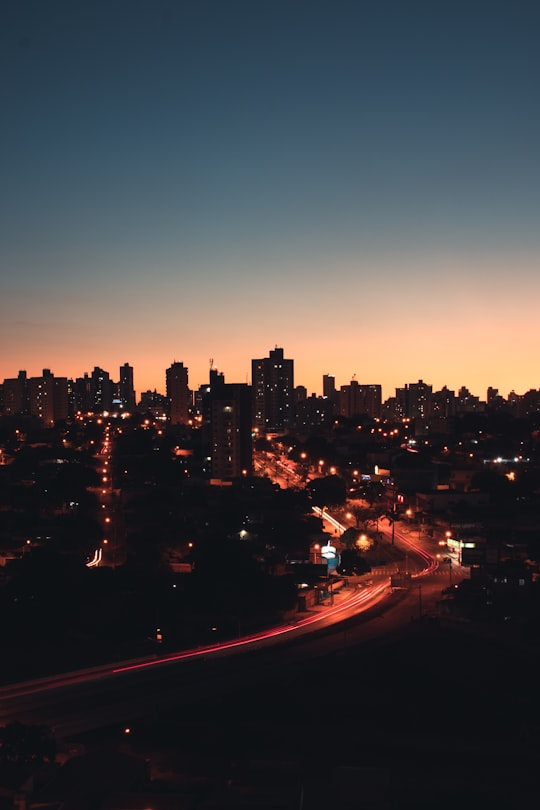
(80, 701)
(85, 699)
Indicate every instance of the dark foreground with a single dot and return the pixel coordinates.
(436, 718)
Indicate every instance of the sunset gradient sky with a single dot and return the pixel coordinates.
(357, 182)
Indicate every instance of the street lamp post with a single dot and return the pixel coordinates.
(394, 513)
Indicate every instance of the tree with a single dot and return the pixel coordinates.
(349, 537)
(331, 490)
(367, 516)
(352, 563)
(373, 491)
(353, 539)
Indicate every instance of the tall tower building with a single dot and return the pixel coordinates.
(82, 394)
(272, 380)
(100, 390)
(178, 393)
(60, 398)
(126, 390)
(329, 391)
(329, 386)
(230, 431)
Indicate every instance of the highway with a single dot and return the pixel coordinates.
(361, 612)
(84, 700)
(88, 698)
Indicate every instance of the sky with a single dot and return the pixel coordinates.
(355, 182)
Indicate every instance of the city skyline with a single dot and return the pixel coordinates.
(116, 372)
(357, 183)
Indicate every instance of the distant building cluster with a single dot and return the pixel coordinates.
(52, 399)
(276, 403)
(235, 412)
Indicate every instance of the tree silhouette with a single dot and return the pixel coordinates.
(331, 490)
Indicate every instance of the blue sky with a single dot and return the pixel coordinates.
(357, 182)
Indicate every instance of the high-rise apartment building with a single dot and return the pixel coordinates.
(125, 388)
(178, 393)
(443, 403)
(272, 380)
(415, 400)
(226, 427)
(101, 390)
(230, 431)
(82, 394)
(329, 385)
(15, 395)
(467, 402)
(358, 400)
(60, 398)
(314, 412)
(48, 398)
(154, 403)
(329, 391)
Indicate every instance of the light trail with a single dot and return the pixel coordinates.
(371, 595)
(96, 559)
(362, 600)
(430, 561)
(322, 513)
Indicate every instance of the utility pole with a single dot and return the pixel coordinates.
(393, 513)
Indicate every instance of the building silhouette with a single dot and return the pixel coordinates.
(178, 393)
(358, 400)
(82, 394)
(126, 390)
(314, 412)
(230, 431)
(330, 392)
(415, 400)
(101, 390)
(48, 398)
(272, 380)
(443, 403)
(15, 395)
